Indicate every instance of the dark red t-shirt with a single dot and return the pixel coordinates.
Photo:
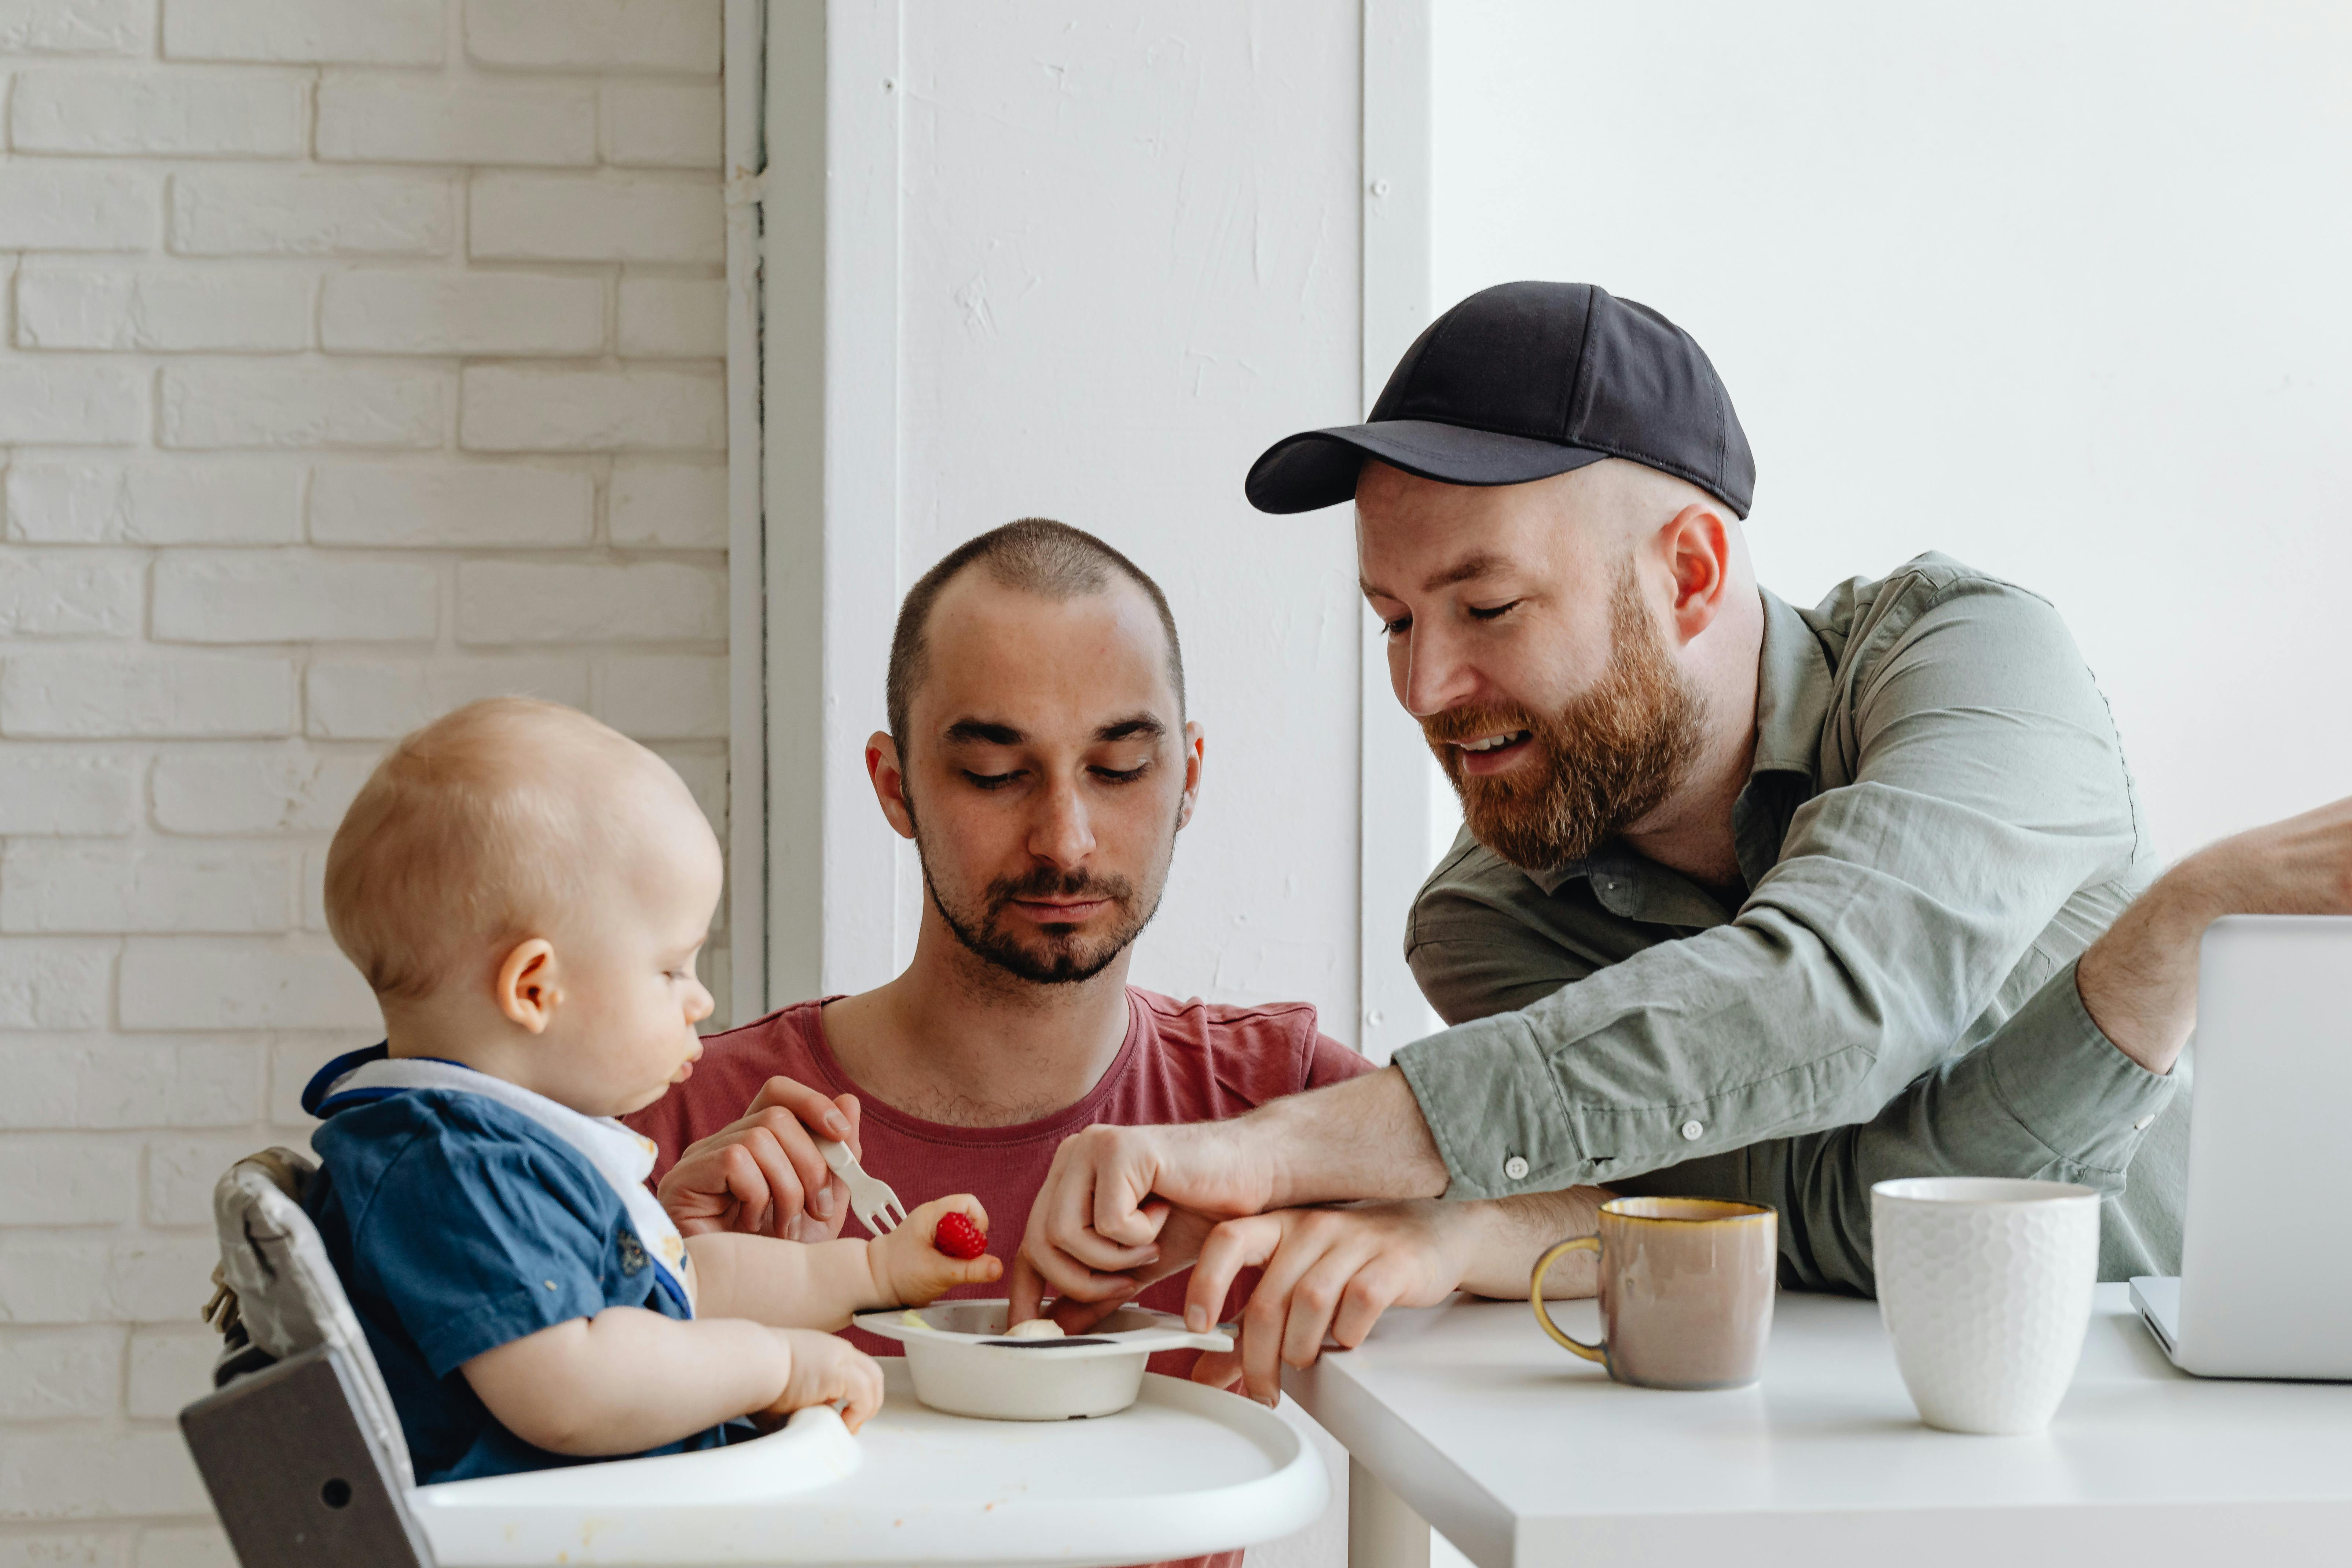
(1181, 1061)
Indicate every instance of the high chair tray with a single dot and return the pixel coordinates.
(1183, 1471)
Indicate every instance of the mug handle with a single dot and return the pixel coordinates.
(1535, 1298)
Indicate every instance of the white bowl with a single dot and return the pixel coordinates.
(961, 1362)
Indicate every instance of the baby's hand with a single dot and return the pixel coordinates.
(826, 1368)
(908, 1265)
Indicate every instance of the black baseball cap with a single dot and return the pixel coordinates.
(1521, 382)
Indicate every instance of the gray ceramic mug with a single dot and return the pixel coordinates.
(1685, 1291)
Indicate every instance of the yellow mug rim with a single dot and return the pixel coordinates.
(1734, 1212)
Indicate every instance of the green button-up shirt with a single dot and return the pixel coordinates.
(1938, 820)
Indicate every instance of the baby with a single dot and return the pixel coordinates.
(527, 890)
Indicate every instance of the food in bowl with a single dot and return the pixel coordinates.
(1034, 1329)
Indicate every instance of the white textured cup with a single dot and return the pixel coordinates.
(1985, 1285)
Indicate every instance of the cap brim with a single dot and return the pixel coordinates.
(1319, 467)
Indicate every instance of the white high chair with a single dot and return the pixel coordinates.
(301, 1450)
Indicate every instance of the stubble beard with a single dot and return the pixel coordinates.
(1603, 762)
(1067, 958)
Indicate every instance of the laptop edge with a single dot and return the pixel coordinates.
(2157, 1301)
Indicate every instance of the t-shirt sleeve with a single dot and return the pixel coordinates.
(478, 1240)
(1329, 1062)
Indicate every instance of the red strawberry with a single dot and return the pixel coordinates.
(957, 1236)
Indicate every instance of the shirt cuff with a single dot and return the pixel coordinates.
(1493, 1110)
(2055, 1069)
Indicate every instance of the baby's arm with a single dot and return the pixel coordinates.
(627, 1379)
(817, 1285)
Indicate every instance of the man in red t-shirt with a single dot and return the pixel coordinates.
(1175, 1062)
(1039, 756)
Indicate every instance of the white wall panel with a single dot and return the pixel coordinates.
(2056, 289)
(1128, 263)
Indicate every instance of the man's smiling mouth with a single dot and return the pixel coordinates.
(1493, 742)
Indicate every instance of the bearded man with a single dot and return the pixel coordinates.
(1751, 902)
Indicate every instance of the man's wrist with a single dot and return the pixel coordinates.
(1261, 1178)
(2195, 893)
(1362, 1139)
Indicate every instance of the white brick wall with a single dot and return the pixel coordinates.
(357, 358)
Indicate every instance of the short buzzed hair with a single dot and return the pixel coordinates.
(1036, 555)
(470, 831)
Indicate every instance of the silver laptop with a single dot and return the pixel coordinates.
(2265, 1286)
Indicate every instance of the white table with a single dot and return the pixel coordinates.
(1466, 1417)
(1184, 1470)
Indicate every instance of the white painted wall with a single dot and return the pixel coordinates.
(1128, 263)
(358, 357)
(1083, 261)
(2059, 291)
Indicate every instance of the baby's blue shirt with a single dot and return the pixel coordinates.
(457, 1227)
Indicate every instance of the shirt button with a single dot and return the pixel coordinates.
(2142, 1124)
(1691, 1131)
(1516, 1167)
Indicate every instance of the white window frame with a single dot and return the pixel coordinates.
(1394, 783)
(813, 267)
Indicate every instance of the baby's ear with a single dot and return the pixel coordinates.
(527, 991)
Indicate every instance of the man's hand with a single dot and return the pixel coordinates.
(762, 1175)
(2139, 981)
(1328, 1272)
(1098, 1218)
(1096, 1223)
(1331, 1272)
(1182, 1234)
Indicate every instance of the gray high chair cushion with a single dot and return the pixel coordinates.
(288, 1295)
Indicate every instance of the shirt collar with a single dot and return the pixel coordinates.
(1792, 693)
(1793, 703)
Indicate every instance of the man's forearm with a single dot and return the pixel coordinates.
(1362, 1139)
(1510, 1234)
(2138, 980)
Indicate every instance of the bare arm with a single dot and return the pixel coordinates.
(1512, 1233)
(784, 1284)
(2139, 981)
(817, 1285)
(628, 1380)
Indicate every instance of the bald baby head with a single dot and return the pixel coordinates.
(487, 824)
